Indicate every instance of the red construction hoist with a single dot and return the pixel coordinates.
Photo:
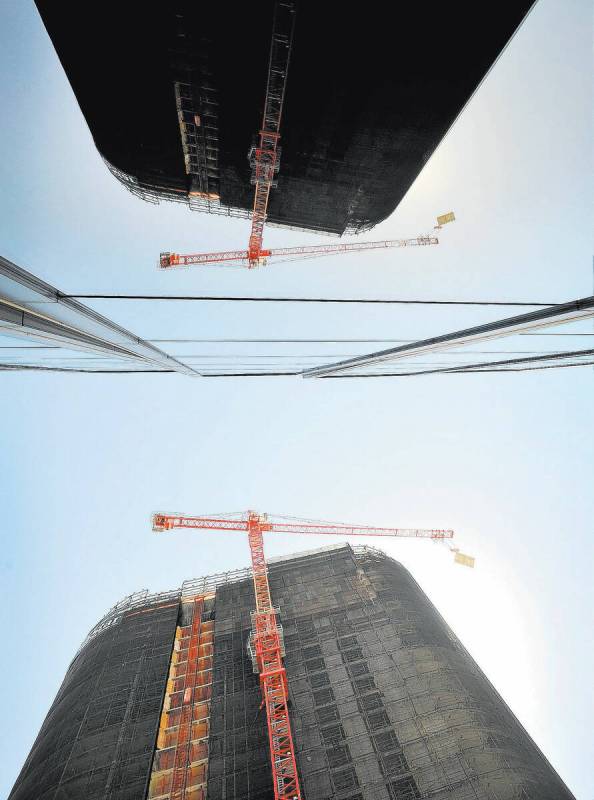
(266, 630)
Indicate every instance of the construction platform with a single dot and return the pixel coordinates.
(173, 95)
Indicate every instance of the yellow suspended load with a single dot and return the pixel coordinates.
(466, 561)
(445, 218)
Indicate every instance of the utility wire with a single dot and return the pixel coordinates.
(268, 374)
(400, 375)
(34, 368)
(355, 300)
(491, 366)
(320, 341)
(346, 355)
(277, 341)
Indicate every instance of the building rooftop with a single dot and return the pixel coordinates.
(205, 584)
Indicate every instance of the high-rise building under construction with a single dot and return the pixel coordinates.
(173, 94)
(162, 700)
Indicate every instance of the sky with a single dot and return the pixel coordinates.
(504, 460)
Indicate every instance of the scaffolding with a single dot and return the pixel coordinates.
(155, 190)
(197, 117)
(136, 600)
(98, 739)
(385, 702)
(180, 766)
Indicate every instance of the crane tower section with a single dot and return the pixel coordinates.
(264, 158)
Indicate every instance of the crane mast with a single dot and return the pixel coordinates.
(266, 629)
(273, 676)
(265, 157)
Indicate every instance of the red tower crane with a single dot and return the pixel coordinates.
(265, 156)
(265, 162)
(266, 628)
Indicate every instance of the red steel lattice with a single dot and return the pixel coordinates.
(169, 260)
(273, 678)
(266, 635)
(165, 522)
(266, 154)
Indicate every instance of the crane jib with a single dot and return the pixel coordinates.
(169, 260)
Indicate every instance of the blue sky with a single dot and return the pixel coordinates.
(506, 460)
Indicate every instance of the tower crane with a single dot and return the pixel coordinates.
(265, 163)
(266, 630)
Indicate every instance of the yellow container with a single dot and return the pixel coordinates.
(445, 218)
(466, 561)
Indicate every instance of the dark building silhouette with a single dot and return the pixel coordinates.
(173, 94)
(386, 704)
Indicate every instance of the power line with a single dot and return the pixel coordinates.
(490, 366)
(35, 368)
(574, 311)
(525, 369)
(249, 374)
(347, 355)
(276, 341)
(320, 341)
(340, 300)
(462, 370)
(403, 374)
(556, 334)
